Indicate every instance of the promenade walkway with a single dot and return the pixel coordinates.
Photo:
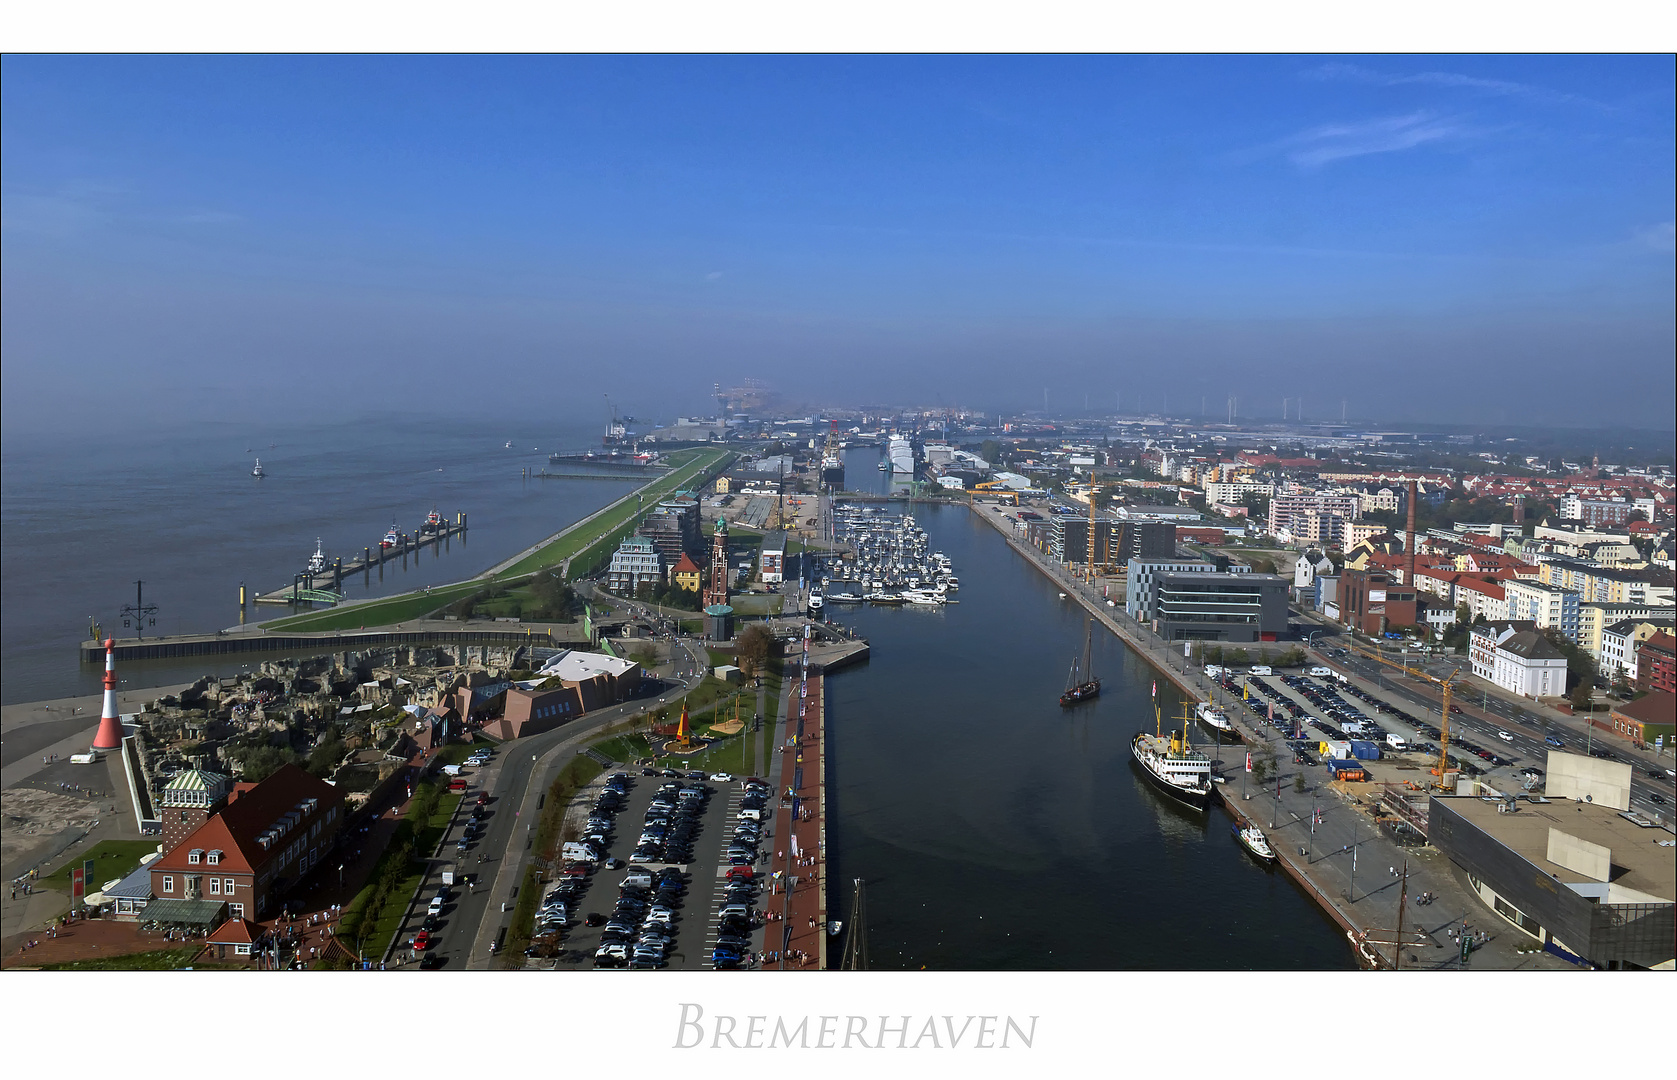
(797, 871)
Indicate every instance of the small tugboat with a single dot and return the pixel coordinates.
(1090, 687)
(391, 538)
(1213, 718)
(433, 521)
(1252, 839)
(257, 472)
(317, 561)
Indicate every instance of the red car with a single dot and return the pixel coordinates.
(740, 873)
(422, 940)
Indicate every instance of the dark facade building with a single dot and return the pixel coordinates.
(1116, 542)
(1582, 880)
(1372, 601)
(673, 528)
(1220, 607)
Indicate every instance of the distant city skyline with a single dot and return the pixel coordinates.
(1452, 239)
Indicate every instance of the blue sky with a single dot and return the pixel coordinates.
(1459, 238)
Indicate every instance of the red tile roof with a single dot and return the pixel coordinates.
(235, 932)
(253, 809)
(685, 565)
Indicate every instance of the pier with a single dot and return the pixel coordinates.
(327, 586)
(255, 641)
(800, 833)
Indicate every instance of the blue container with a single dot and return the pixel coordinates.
(1364, 750)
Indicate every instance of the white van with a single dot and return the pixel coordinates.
(435, 907)
(638, 876)
(1396, 742)
(1320, 673)
(1261, 669)
(751, 815)
(1214, 671)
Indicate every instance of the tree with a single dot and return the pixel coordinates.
(753, 650)
(991, 450)
(1582, 697)
(325, 757)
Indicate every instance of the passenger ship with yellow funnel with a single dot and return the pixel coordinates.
(1171, 763)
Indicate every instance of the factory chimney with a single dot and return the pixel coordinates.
(1409, 541)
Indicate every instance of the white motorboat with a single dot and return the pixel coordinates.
(257, 472)
(1252, 839)
(317, 561)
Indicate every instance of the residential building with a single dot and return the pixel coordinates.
(685, 574)
(1239, 607)
(1308, 510)
(1655, 663)
(1528, 664)
(1482, 642)
(636, 561)
(1309, 564)
(1619, 643)
(1373, 602)
(1549, 606)
(1650, 720)
(248, 855)
(771, 565)
(1596, 616)
(1593, 512)
(1355, 532)
(1235, 492)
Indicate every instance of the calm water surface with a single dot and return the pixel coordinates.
(179, 509)
(997, 831)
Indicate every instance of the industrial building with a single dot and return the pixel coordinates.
(1373, 602)
(1220, 607)
(1575, 871)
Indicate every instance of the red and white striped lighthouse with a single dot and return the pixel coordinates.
(110, 724)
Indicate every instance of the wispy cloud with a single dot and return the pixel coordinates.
(1660, 237)
(1320, 145)
(1341, 72)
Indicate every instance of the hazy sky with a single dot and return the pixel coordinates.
(1453, 238)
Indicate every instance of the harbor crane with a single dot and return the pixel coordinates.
(1446, 686)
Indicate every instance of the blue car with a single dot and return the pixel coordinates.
(1554, 740)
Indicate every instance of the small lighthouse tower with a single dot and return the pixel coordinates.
(109, 736)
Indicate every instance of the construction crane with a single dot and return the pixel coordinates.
(1089, 567)
(1446, 685)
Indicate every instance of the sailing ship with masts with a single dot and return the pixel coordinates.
(1089, 686)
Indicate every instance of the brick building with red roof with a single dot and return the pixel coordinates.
(253, 850)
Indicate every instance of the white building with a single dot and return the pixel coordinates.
(1549, 606)
(636, 560)
(1227, 492)
(1519, 661)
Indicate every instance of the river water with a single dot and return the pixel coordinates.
(996, 830)
(81, 521)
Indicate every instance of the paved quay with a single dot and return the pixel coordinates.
(1343, 862)
(799, 864)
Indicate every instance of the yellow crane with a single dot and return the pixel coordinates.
(1089, 566)
(1446, 686)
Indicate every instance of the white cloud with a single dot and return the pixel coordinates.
(1318, 146)
(714, 275)
(1341, 72)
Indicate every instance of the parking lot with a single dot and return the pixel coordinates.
(657, 895)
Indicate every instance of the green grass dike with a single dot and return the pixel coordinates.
(587, 544)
